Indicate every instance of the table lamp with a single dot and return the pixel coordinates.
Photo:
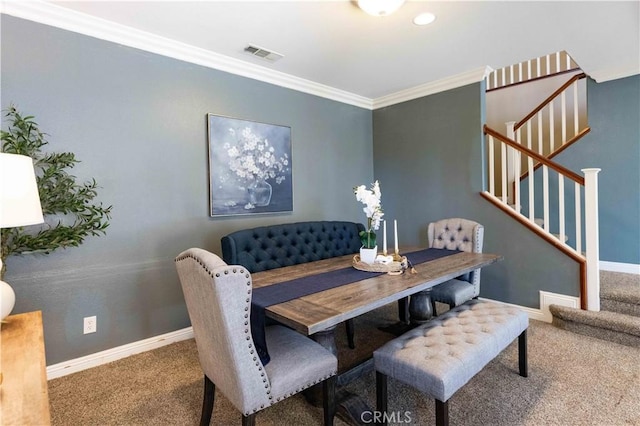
(19, 206)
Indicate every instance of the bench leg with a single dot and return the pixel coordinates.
(350, 333)
(442, 413)
(522, 354)
(381, 395)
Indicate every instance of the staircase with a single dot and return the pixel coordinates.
(619, 318)
(525, 181)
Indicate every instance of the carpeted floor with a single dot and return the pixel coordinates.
(619, 317)
(620, 292)
(573, 380)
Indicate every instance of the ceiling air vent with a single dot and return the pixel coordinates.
(263, 53)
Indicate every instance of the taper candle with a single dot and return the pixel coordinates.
(384, 237)
(395, 235)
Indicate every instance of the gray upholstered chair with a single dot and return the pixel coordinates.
(218, 298)
(456, 234)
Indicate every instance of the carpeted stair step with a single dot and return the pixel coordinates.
(612, 326)
(620, 292)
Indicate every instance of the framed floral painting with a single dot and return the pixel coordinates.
(249, 167)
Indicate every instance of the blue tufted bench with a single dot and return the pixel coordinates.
(440, 356)
(269, 247)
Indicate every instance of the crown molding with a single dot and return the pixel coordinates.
(448, 83)
(601, 76)
(67, 19)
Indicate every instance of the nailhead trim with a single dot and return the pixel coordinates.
(248, 337)
(234, 270)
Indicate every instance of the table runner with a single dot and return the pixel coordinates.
(264, 297)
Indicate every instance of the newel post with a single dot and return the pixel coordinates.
(592, 241)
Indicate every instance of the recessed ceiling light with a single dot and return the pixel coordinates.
(424, 19)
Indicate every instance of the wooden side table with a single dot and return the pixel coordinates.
(24, 397)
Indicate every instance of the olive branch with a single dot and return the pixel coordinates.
(68, 207)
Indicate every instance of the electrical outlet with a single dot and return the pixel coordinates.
(89, 325)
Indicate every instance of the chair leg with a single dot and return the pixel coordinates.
(207, 401)
(249, 420)
(433, 308)
(522, 354)
(442, 413)
(329, 400)
(350, 333)
(381, 395)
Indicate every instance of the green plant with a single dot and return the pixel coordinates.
(68, 207)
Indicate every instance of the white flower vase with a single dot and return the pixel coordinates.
(260, 193)
(368, 255)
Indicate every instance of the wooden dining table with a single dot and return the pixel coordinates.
(318, 314)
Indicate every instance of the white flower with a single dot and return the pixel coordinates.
(233, 152)
(372, 209)
(253, 158)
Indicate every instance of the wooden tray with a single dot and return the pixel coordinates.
(398, 265)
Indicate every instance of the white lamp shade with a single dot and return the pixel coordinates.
(19, 198)
(380, 7)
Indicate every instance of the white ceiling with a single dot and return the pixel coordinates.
(335, 44)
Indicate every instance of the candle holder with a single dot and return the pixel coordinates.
(397, 266)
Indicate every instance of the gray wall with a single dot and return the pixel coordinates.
(137, 121)
(613, 145)
(427, 156)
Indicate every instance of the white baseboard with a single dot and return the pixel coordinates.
(93, 360)
(546, 298)
(627, 268)
(533, 313)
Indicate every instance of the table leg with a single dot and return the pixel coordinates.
(403, 310)
(419, 311)
(420, 308)
(349, 406)
(327, 338)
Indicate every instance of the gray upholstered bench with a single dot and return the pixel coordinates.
(440, 356)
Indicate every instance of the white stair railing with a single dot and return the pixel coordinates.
(533, 69)
(539, 131)
(551, 175)
(548, 122)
